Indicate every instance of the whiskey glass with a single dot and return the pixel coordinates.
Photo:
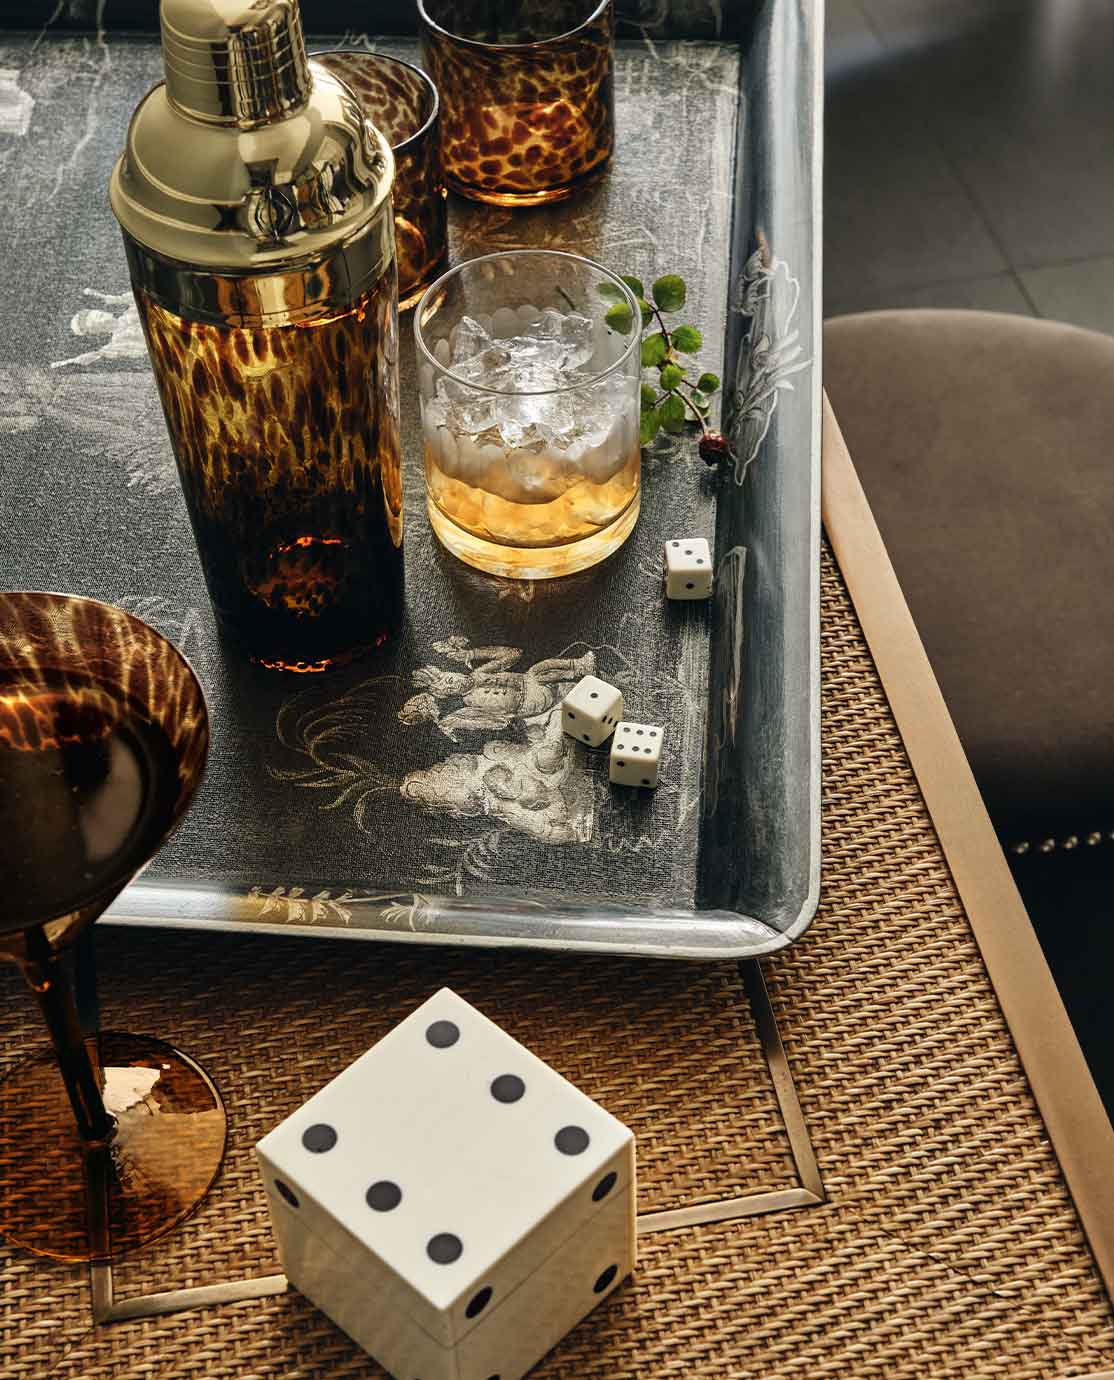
(402, 103)
(527, 94)
(112, 1141)
(529, 404)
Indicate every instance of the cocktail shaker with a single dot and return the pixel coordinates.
(255, 203)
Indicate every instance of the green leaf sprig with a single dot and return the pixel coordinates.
(675, 399)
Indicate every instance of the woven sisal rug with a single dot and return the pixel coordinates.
(948, 1245)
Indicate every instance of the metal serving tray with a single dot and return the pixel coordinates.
(392, 801)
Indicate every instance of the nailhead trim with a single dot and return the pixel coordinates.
(1092, 840)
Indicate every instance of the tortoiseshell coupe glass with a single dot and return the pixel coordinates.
(103, 739)
(401, 102)
(526, 92)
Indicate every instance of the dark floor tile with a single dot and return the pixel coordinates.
(1081, 292)
(895, 215)
(1020, 95)
(850, 39)
(998, 292)
(901, 22)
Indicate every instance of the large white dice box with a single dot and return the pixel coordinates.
(450, 1201)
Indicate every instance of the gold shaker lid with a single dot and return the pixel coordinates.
(248, 158)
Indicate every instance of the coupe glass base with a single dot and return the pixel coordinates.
(62, 1200)
(533, 562)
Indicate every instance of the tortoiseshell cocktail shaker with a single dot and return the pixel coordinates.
(255, 202)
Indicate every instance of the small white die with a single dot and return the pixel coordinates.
(590, 711)
(688, 569)
(635, 755)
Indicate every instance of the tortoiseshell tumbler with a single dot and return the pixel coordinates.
(103, 739)
(255, 201)
(526, 92)
(401, 101)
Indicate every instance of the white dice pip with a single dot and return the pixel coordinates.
(590, 711)
(635, 755)
(688, 569)
(450, 1201)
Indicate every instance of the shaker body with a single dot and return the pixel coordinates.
(280, 392)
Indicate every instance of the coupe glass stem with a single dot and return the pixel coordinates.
(46, 977)
(107, 1140)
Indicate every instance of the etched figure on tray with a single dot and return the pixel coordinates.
(491, 696)
(98, 397)
(527, 780)
(772, 350)
(16, 104)
(536, 786)
(531, 785)
(125, 333)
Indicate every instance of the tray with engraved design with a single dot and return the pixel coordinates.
(332, 806)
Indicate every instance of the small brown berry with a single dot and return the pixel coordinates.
(714, 447)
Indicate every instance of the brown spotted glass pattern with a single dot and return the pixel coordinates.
(527, 94)
(401, 102)
(287, 443)
(103, 740)
(97, 709)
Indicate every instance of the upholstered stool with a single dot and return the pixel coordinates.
(985, 444)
